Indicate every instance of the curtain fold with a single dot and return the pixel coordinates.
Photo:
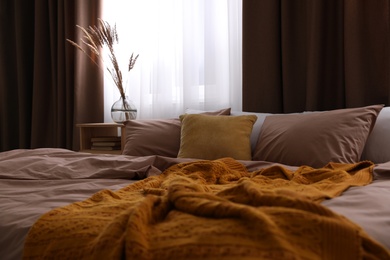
(315, 55)
(46, 86)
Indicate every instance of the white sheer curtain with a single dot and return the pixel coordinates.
(189, 55)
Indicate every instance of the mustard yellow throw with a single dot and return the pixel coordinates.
(211, 210)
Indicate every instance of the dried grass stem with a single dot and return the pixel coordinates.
(95, 38)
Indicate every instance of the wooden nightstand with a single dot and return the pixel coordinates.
(91, 131)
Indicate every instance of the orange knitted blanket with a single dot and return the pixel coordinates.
(211, 210)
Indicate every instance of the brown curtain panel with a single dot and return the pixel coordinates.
(46, 85)
(315, 54)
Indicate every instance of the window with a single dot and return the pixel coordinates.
(189, 54)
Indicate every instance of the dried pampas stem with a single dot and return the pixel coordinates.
(95, 38)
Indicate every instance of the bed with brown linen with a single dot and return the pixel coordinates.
(313, 185)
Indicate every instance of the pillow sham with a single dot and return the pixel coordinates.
(316, 138)
(156, 136)
(210, 137)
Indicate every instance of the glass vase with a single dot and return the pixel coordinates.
(123, 110)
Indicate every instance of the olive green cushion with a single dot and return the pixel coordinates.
(212, 137)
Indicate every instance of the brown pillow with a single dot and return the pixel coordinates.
(212, 137)
(316, 138)
(156, 136)
(221, 112)
(152, 137)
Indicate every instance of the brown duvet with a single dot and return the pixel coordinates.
(211, 210)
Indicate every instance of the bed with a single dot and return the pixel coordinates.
(208, 185)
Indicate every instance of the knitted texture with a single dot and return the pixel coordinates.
(211, 210)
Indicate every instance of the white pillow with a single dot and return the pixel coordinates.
(256, 127)
(377, 148)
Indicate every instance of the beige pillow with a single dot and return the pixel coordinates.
(156, 136)
(316, 138)
(211, 137)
